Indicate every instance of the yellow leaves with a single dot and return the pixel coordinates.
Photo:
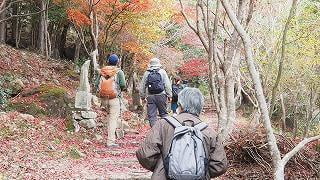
(132, 47)
(146, 25)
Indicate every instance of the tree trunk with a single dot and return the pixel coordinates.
(279, 171)
(77, 50)
(3, 25)
(295, 114)
(310, 110)
(275, 153)
(42, 30)
(34, 32)
(136, 101)
(18, 32)
(284, 115)
(47, 35)
(283, 46)
(94, 32)
(14, 24)
(63, 39)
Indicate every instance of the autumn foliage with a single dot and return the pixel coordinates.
(78, 10)
(195, 68)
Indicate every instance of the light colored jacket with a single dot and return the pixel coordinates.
(167, 84)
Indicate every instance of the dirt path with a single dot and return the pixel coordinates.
(34, 148)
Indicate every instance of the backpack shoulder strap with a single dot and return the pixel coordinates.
(201, 126)
(173, 121)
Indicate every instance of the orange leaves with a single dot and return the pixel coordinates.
(110, 7)
(132, 47)
(178, 18)
(77, 17)
(141, 55)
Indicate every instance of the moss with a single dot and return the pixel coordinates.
(27, 108)
(48, 92)
(57, 141)
(8, 88)
(56, 99)
(75, 153)
(69, 125)
(24, 126)
(72, 74)
(318, 148)
(5, 132)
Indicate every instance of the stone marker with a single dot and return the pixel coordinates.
(83, 100)
(84, 116)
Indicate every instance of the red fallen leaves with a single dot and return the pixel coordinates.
(32, 67)
(127, 115)
(44, 150)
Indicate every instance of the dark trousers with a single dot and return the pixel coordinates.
(156, 103)
(174, 107)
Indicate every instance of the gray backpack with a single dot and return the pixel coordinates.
(186, 159)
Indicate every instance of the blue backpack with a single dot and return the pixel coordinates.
(154, 82)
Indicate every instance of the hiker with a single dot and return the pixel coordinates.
(182, 156)
(112, 82)
(177, 86)
(156, 89)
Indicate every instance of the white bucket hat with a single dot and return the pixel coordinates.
(155, 62)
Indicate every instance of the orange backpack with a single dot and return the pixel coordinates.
(108, 85)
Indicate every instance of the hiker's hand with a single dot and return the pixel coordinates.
(169, 99)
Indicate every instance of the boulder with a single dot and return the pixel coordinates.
(98, 137)
(26, 117)
(88, 123)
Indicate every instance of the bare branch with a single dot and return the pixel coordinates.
(186, 18)
(195, 29)
(3, 8)
(201, 37)
(274, 151)
(81, 38)
(249, 17)
(205, 17)
(283, 47)
(96, 3)
(2, 5)
(296, 149)
(24, 15)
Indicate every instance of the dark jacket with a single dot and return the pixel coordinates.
(157, 144)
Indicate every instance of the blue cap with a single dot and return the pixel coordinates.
(113, 59)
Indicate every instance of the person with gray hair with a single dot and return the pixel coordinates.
(158, 142)
(191, 101)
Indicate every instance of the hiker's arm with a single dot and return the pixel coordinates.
(218, 163)
(122, 80)
(167, 84)
(143, 93)
(149, 153)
